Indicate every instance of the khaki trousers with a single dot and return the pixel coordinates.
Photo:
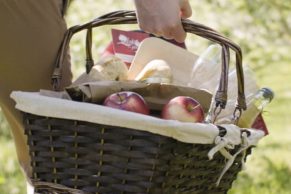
(31, 33)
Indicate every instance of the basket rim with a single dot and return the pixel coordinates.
(201, 133)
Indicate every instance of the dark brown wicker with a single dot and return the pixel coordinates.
(129, 17)
(112, 160)
(70, 156)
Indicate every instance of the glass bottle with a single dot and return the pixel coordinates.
(261, 99)
(206, 70)
(251, 87)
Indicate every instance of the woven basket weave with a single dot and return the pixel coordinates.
(107, 159)
(70, 156)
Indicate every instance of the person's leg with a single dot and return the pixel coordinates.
(30, 36)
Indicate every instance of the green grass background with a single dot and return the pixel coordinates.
(261, 28)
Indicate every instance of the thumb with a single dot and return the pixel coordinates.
(186, 10)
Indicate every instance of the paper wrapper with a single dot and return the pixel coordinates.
(155, 94)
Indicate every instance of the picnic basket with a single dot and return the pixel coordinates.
(71, 155)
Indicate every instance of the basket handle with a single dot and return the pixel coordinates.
(129, 17)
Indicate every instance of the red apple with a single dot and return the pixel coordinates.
(183, 108)
(129, 101)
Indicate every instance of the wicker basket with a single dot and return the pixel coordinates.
(71, 156)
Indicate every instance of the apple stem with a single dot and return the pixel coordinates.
(120, 97)
(190, 108)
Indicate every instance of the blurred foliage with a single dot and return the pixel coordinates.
(260, 27)
(11, 178)
(4, 127)
(263, 30)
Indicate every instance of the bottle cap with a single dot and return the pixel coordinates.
(268, 93)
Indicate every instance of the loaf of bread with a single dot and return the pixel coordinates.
(112, 68)
(156, 71)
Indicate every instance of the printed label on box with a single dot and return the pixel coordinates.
(126, 43)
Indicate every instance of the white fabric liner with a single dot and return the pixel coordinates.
(34, 103)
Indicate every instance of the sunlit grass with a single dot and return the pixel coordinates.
(269, 168)
(11, 178)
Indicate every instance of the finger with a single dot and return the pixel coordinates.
(158, 33)
(145, 28)
(186, 10)
(155, 30)
(179, 33)
(168, 35)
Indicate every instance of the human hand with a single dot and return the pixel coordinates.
(163, 17)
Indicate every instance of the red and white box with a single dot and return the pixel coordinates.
(125, 44)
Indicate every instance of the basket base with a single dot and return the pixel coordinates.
(104, 159)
